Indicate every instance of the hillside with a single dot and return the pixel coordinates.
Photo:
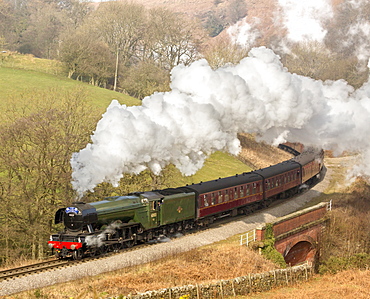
(262, 10)
(20, 85)
(28, 76)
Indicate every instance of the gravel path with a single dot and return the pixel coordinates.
(160, 250)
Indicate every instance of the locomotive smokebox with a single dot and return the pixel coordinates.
(77, 216)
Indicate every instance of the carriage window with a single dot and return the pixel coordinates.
(235, 192)
(248, 189)
(213, 198)
(220, 198)
(205, 200)
(226, 195)
(241, 191)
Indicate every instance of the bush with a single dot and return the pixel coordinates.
(336, 264)
(269, 251)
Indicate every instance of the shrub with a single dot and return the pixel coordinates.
(269, 251)
(334, 264)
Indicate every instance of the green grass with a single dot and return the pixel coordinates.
(28, 62)
(16, 84)
(217, 165)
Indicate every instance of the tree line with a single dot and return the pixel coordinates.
(126, 47)
(118, 45)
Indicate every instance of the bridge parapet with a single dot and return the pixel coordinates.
(295, 221)
(298, 234)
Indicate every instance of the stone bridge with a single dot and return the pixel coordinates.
(297, 235)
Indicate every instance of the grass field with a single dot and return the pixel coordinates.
(17, 84)
(217, 165)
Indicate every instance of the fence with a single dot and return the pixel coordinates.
(329, 205)
(250, 236)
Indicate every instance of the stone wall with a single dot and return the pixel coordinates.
(238, 286)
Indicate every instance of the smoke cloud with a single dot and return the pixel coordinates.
(206, 109)
(243, 33)
(98, 240)
(304, 20)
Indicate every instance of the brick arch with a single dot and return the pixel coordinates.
(299, 247)
(299, 253)
(291, 242)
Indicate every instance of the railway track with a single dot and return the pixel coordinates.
(31, 269)
(35, 268)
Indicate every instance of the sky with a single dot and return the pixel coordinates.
(206, 109)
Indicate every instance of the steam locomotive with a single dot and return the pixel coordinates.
(123, 221)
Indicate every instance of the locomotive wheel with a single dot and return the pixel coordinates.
(129, 244)
(103, 249)
(93, 251)
(172, 229)
(77, 254)
(116, 247)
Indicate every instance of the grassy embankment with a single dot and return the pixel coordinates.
(24, 75)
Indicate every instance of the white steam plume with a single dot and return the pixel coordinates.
(244, 34)
(207, 108)
(305, 20)
(98, 240)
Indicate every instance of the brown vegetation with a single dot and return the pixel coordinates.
(344, 285)
(224, 260)
(259, 155)
(346, 243)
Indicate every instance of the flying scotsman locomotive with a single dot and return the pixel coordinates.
(123, 221)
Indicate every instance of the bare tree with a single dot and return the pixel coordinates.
(222, 51)
(236, 10)
(35, 170)
(351, 22)
(145, 78)
(120, 25)
(87, 58)
(172, 38)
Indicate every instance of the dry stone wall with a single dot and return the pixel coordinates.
(238, 286)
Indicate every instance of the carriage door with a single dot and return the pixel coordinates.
(154, 213)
